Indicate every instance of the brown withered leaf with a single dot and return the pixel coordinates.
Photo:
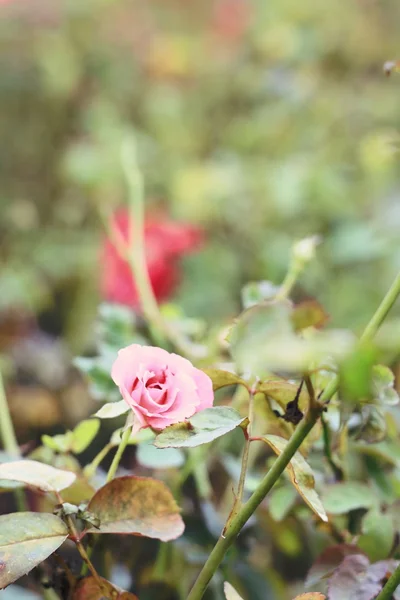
(137, 506)
(309, 313)
(89, 589)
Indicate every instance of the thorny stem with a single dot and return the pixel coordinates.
(81, 549)
(280, 464)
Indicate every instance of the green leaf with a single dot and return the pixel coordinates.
(73, 441)
(373, 425)
(340, 498)
(137, 506)
(112, 410)
(59, 443)
(263, 341)
(356, 374)
(383, 385)
(98, 370)
(281, 500)
(83, 435)
(159, 458)
(116, 325)
(26, 539)
(37, 475)
(204, 427)
(230, 592)
(254, 329)
(89, 589)
(222, 379)
(378, 533)
(301, 475)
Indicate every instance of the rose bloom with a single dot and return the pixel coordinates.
(161, 388)
(231, 18)
(165, 243)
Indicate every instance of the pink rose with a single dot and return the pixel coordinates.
(161, 388)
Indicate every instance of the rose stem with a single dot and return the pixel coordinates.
(74, 535)
(9, 441)
(118, 455)
(245, 457)
(390, 586)
(280, 464)
(90, 469)
(136, 256)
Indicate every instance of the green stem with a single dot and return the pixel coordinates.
(161, 331)
(161, 564)
(81, 549)
(91, 468)
(382, 311)
(223, 544)
(337, 471)
(9, 441)
(280, 464)
(137, 255)
(391, 586)
(288, 283)
(7, 432)
(246, 450)
(118, 455)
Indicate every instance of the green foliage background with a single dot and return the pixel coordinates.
(290, 130)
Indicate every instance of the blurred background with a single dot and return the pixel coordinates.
(256, 122)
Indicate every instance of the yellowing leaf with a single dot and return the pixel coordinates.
(38, 475)
(137, 506)
(230, 592)
(301, 475)
(222, 378)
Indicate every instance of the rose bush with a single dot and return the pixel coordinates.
(161, 388)
(165, 243)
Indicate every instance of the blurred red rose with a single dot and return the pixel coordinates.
(165, 243)
(231, 18)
